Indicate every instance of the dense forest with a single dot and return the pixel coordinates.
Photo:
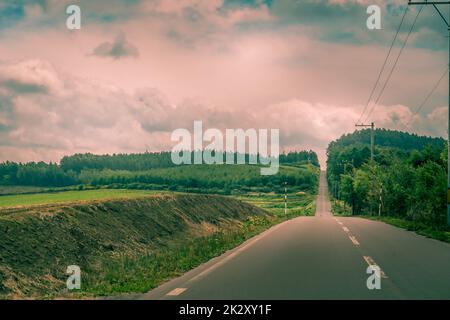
(389, 138)
(146, 161)
(156, 171)
(407, 179)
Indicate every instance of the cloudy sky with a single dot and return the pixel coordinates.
(138, 69)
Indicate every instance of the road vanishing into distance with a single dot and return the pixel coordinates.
(321, 257)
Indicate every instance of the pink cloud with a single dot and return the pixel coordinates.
(198, 69)
(78, 115)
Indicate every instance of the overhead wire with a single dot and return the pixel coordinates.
(384, 65)
(394, 65)
(428, 96)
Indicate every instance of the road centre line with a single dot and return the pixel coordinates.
(372, 262)
(354, 240)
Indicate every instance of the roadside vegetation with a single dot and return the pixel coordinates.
(405, 185)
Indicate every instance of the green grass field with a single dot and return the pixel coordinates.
(71, 196)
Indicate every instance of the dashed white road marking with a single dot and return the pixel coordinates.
(176, 292)
(369, 260)
(353, 239)
(372, 262)
(345, 229)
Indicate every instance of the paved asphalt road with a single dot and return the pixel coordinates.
(321, 257)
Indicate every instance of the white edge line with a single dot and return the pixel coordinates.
(235, 253)
(176, 292)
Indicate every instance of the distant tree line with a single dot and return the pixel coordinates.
(36, 174)
(121, 168)
(407, 179)
(131, 162)
(147, 161)
(388, 138)
(300, 157)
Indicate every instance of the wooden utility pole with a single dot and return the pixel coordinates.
(380, 206)
(285, 198)
(435, 5)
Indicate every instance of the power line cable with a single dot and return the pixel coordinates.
(384, 65)
(426, 99)
(394, 66)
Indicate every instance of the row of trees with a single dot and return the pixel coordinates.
(406, 180)
(147, 161)
(151, 168)
(131, 162)
(390, 139)
(36, 174)
(226, 178)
